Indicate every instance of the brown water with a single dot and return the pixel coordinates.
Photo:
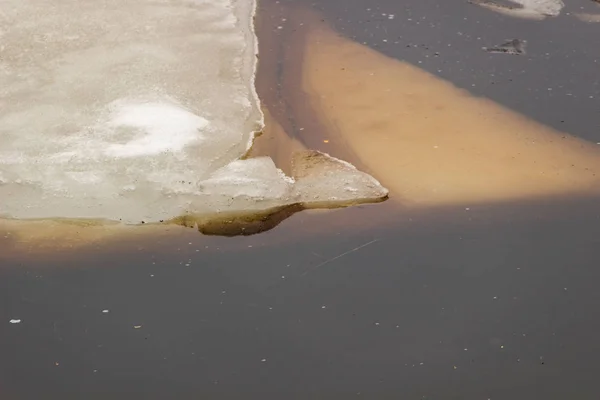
(475, 280)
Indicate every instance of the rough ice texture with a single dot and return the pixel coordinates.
(141, 110)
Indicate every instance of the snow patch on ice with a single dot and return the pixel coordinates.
(158, 127)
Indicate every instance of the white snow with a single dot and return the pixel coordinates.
(159, 127)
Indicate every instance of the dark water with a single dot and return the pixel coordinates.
(497, 302)
(469, 309)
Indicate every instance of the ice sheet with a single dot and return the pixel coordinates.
(141, 110)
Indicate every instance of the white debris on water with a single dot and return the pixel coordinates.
(528, 9)
(140, 110)
(15, 321)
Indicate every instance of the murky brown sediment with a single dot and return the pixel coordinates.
(431, 143)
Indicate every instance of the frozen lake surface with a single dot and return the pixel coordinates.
(143, 111)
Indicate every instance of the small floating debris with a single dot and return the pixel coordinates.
(512, 46)
(137, 327)
(15, 321)
(105, 311)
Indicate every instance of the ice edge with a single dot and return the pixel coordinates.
(251, 31)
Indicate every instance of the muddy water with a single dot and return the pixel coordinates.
(476, 280)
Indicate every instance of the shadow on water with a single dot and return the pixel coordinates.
(464, 300)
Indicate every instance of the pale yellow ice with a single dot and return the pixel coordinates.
(141, 111)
